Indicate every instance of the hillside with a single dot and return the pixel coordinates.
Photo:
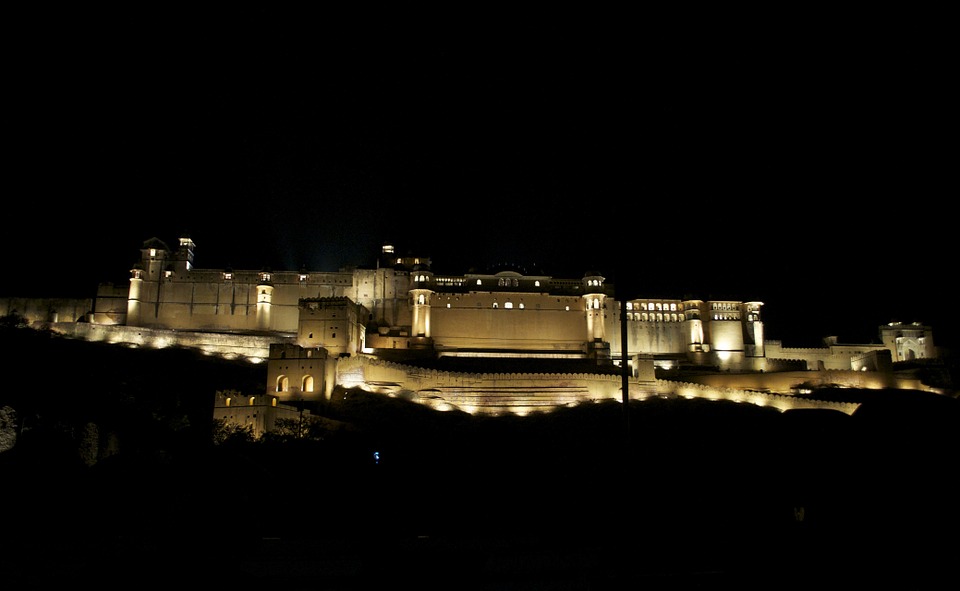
(677, 488)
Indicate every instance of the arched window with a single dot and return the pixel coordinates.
(283, 383)
(307, 385)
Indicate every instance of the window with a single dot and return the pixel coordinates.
(508, 305)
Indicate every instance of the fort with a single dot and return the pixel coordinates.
(499, 341)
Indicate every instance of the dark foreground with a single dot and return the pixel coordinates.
(635, 558)
(695, 494)
(238, 523)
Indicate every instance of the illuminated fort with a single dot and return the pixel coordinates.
(502, 341)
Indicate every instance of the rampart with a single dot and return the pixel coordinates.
(781, 402)
(47, 309)
(230, 346)
(498, 393)
(831, 357)
(792, 381)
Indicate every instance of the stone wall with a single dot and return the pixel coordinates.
(47, 309)
(791, 381)
(230, 346)
(522, 394)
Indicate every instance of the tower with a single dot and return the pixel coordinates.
(134, 295)
(420, 295)
(184, 258)
(752, 329)
(264, 300)
(594, 304)
(145, 280)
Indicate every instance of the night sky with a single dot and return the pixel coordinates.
(801, 166)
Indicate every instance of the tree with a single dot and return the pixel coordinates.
(228, 433)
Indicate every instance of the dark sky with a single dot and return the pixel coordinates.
(803, 165)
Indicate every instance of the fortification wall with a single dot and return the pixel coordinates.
(487, 393)
(525, 393)
(833, 357)
(230, 346)
(781, 402)
(790, 381)
(47, 309)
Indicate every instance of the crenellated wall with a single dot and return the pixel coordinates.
(832, 356)
(499, 393)
(231, 346)
(792, 381)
